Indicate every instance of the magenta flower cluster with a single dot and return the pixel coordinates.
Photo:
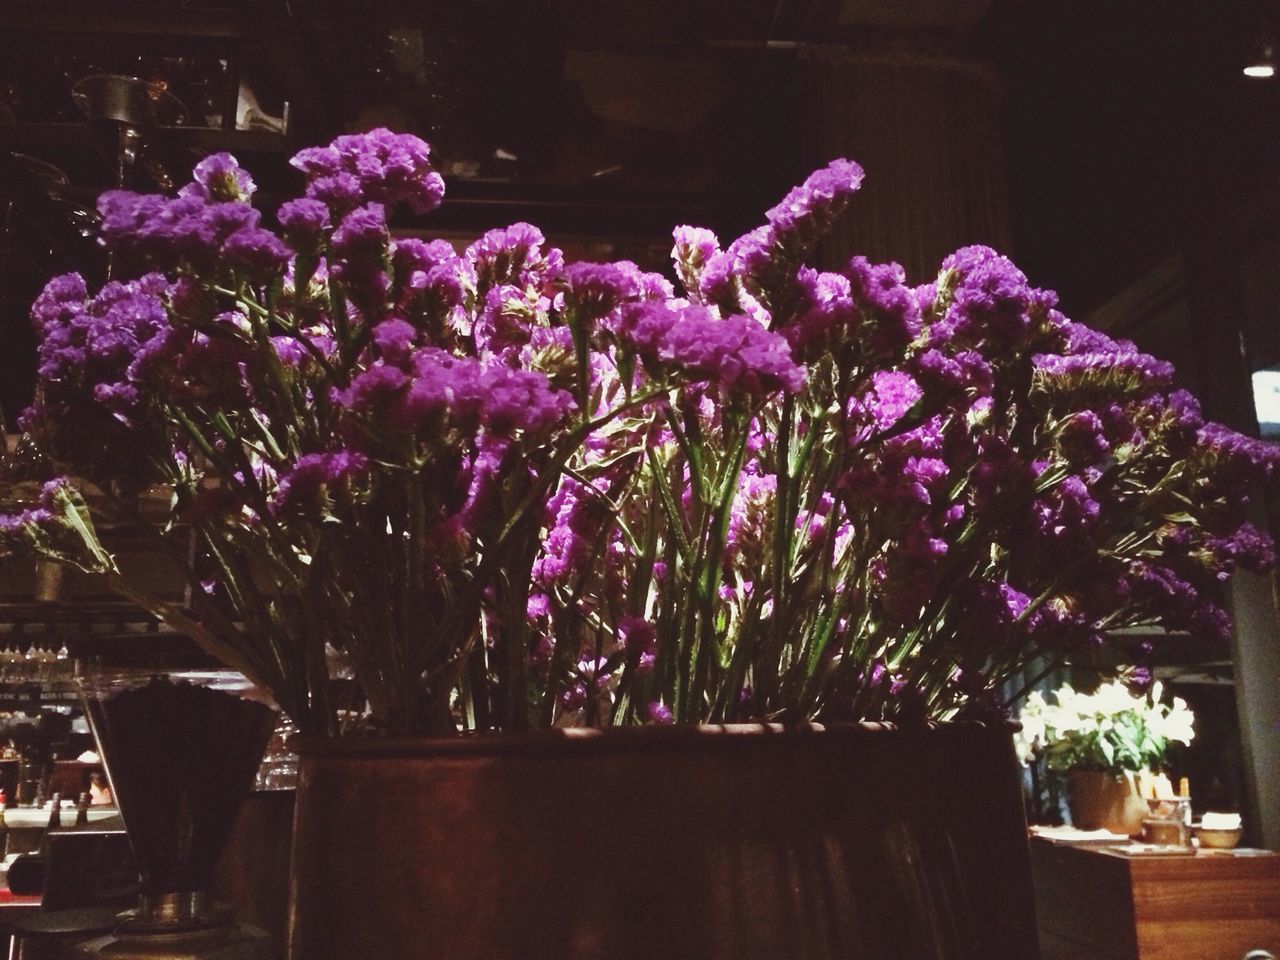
(516, 490)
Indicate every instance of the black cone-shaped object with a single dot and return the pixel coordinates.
(181, 750)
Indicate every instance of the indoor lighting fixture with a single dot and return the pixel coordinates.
(1261, 63)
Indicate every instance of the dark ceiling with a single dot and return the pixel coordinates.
(1129, 130)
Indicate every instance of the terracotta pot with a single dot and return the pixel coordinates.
(1105, 801)
(737, 842)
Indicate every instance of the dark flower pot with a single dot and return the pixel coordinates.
(734, 842)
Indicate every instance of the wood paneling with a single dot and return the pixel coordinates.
(1094, 903)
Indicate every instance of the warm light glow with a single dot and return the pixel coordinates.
(1260, 70)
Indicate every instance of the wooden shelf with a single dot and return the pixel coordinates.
(1093, 903)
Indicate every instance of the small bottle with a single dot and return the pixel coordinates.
(82, 809)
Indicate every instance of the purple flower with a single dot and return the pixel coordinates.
(1082, 438)
(953, 376)
(735, 352)
(991, 299)
(1247, 547)
(1232, 459)
(512, 255)
(395, 339)
(694, 247)
(659, 713)
(256, 253)
(358, 252)
(379, 166)
(303, 487)
(1086, 376)
(891, 395)
(304, 222)
(574, 519)
(994, 606)
(751, 521)
(810, 208)
(220, 178)
(62, 299)
(825, 314)
(594, 289)
(521, 400)
(889, 309)
(505, 322)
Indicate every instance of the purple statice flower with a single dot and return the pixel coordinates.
(255, 253)
(659, 713)
(1082, 438)
(810, 208)
(889, 397)
(591, 290)
(521, 401)
(735, 352)
(593, 679)
(639, 638)
(378, 166)
(993, 606)
(506, 321)
(375, 390)
(644, 284)
(395, 339)
(1163, 590)
(358, 254)
(1233, 460)
(411, 255)
(1078, 338)
(990, 297)
(61, 300)
(1087, 376)
(94, 347)
(888, 307)
(339, 191)
(751, 521)
(164, 231)
(644, 327)
(219, 178)
(441, 388)
(304, 222)
(999, 470)
(189, 228)
(1065, 516)
(122, 214)
(573, 524)
(303, 487)
(512, 255)
(825, 315)
(1179, 423)
(694, 247)
(1138, 681)
(1246, 547)
(949, 376)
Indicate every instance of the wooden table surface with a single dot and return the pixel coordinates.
(1094, 903)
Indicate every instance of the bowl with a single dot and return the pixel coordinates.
(1218, 838)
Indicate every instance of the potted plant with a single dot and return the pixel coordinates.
(1110, 742)
(512, 492)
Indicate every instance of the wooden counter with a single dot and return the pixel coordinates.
(1093, 903)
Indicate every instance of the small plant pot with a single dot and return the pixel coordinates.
(1105, 801)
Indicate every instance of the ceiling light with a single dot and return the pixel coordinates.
(1262, 62)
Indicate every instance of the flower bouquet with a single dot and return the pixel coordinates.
(1111, 742)
(517, 492)
(1113, 729)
